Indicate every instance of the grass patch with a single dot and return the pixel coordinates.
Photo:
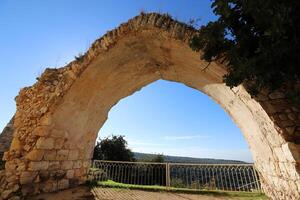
(234, 195)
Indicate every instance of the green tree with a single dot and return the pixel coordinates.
(258, 40)
(113, 148)
(158, 158)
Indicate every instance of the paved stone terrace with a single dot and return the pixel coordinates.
(84, 193)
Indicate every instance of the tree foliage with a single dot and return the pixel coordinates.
(257, 39)
(113, 148)
(157, 158)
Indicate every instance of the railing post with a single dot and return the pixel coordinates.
(168, 181)
(256, 179)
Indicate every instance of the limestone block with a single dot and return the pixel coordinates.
(291, 152)
(77, 164)
(6, 194)
(15, 144)
(44, 175)
(298, 184)
(45, 143)
(35, 155)
(67, 164)
(49, 186)
(70, 174)
(73, 154)
(80, 172)
(15, 198)
(40, 165)
(54, 165)
(27, 177)
(58, 174)
(283, 170)
(50, 155)
(57, 133)
(62, 154)
(63, 184)
(292, 171)
(12, 178)
(46, 120)
(41, 131)
(86, 163)
(59, 142)
(279, 154)
(10, 165)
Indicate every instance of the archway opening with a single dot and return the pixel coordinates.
(179, 137)
(172, 119)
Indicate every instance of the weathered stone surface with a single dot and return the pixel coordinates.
(70, 174)
(45, 143)
(41, 131)
(291, 152)
(63, 184)
(54, 165)
(59, 142)
(36, 166)
(50, 155)
(49, 186)
(77, 164)
(62, 154)
(35, 155)
(73, 154)
(27, 177)
(60, 116)
(67, 164)
(15, 144)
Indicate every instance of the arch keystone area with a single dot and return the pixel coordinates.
(57, 119)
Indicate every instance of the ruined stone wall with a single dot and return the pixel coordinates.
(284, 170)
(6, 137)
(35, 105)
(58, 118)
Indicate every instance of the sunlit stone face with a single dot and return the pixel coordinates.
(57, 119)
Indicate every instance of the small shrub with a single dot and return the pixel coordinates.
(80, 57)
(177, 183)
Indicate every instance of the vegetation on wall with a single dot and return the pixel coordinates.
(258, 40)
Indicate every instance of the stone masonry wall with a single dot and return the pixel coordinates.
(286, 118)
(30, 145)
(6, 137)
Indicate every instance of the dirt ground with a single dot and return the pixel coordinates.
(85, 193)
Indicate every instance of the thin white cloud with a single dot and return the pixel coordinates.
(133, 142)
(185, 137)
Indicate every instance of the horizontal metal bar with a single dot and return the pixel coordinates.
(128, 162)
(170, 163)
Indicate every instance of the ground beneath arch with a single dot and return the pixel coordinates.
(98, 193)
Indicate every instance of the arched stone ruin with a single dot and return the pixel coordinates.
(58, 118)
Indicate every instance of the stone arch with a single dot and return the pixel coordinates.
(58, 118)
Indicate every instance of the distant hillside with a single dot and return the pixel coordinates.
(179, 159)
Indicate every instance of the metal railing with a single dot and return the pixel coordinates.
(227, 177)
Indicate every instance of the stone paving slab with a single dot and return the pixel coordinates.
(122, 194)
(98, 193)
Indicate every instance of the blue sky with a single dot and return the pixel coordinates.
(160, 118)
